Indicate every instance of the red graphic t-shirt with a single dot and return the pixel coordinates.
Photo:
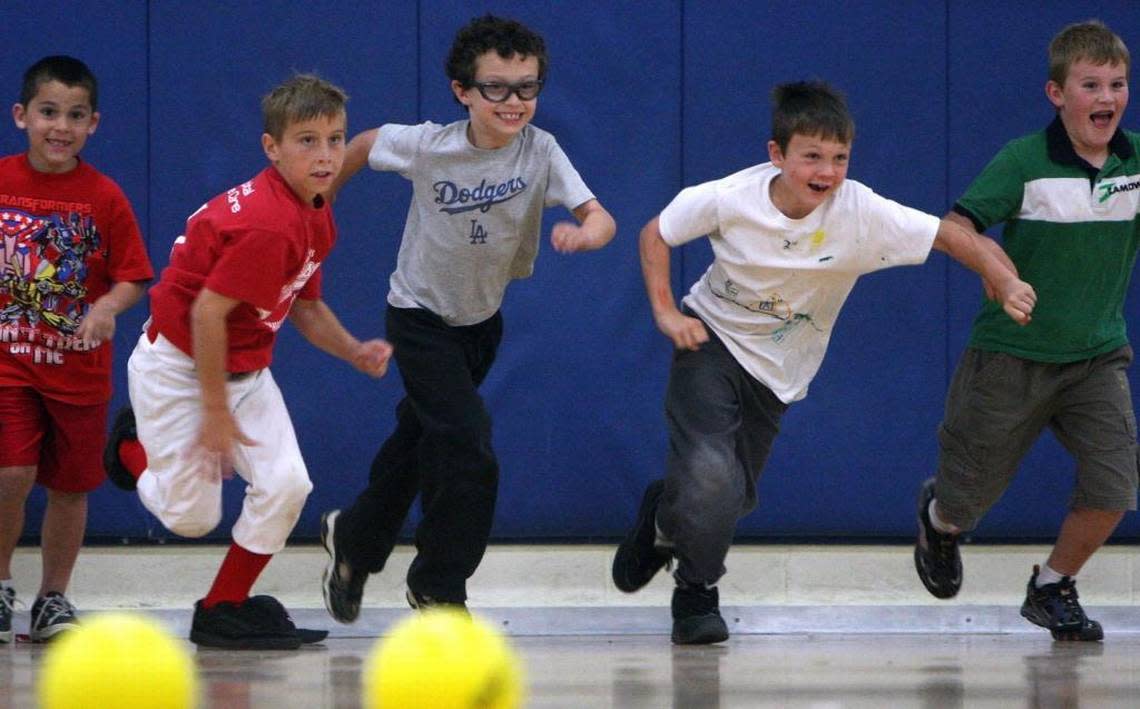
(257, 243)
(65, 239)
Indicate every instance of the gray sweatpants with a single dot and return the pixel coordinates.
(722, 422)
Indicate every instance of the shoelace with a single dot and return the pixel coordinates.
(9, 600)
(53, 609)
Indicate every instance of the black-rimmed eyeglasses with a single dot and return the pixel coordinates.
(499, 91)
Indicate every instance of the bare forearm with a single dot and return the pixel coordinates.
(208, 332)
(965, 246)
(597, 223)
(320, 327)
(121, 296)
(655, 269)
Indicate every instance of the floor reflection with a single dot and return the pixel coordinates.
(750, 671)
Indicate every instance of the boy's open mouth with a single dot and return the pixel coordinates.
(1102, 119)
(816, 187)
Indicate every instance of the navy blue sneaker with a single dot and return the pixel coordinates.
(1055, 606)
(52, 614)
(696, 615)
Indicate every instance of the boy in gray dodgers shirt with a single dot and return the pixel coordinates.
(479, 188)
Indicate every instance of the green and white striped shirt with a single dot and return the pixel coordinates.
(1072, 231)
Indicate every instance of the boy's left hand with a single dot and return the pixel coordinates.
(372, 357)
(97, 326)
(569, 238)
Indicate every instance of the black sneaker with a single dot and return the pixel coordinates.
(936, 556)
(638, 558)
(424, 602)
(122, 429)
(696, 616)
(257, 623)
(52, 614)
(1055, 606)
(342, 587)
(7, 601)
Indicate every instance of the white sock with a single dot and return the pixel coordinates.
(1047, 576)
(5, 583)
(940, 524)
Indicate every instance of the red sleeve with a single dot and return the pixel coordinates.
(128, 258)
(253, 267)
(312, 287)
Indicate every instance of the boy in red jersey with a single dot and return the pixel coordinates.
(204, 401)
(72, 260)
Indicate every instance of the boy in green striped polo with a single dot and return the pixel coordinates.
(1069, 197)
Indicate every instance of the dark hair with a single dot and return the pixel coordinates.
(490, 33)
(810, 108)
(1092, 41)
(68, 71)
(300, 98)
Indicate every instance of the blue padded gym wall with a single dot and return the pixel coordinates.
(645, 98)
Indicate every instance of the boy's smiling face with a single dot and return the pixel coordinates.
(58, 120)
(309, 154)
(1091, 103)
(811, 169)
(493, 125)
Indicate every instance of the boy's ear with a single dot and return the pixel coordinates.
(775, 154)
(93, 124)
(18, 115)
(269, 145)
(1055, 93)
(460, 93)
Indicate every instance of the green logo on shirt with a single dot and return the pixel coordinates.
(1110, 188)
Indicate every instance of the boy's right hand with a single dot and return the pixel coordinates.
(686, 333)
(219, 436)
(1017, 299)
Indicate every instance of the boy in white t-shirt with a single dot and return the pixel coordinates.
(789, 238)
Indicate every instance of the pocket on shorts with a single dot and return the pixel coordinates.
(985, 405)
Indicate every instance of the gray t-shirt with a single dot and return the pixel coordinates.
(475, 218)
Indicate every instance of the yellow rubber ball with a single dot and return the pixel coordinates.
(442, 659)
(121, 660)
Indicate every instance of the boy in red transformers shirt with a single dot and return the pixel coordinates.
(71, 260)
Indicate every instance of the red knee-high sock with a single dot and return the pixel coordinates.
(133, 457)
(240, 569)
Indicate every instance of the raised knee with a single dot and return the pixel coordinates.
(191, 528)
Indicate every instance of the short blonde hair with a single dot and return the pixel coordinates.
(300, 98)
(1092, 41)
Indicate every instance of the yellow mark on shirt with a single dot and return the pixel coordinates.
(817, 239)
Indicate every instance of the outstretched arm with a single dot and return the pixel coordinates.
(355, 158)
(317, 323)
(595, 229)
(981, 255)
(684, 331)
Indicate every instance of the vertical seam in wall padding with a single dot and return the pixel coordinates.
(419, 64)
(680, 285)
(148, 119)
(946, 205)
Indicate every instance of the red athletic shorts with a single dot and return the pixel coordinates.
(64, 441)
